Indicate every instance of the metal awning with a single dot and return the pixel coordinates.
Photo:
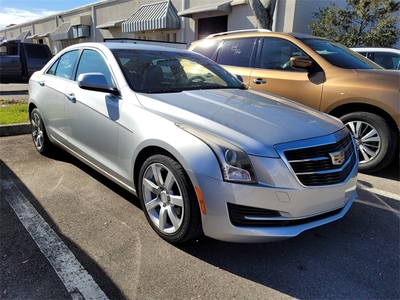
(62, 32)
(42, 35)
(110, 24)
(32, 36)
(23, 35)
(156, 16)
(223, 7)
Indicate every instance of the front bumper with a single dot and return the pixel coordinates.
(303, 207)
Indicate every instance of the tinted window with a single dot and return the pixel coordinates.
(9, 49)
(64, 66)
(92, 61)
(37, 51)
(339, 55)
(236, 52)
(387, 60)
(276, 54)
(207, 48)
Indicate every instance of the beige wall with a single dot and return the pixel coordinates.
(290, 15)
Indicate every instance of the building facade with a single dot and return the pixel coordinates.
(179, 21)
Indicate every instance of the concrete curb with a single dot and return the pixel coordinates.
(15, 129)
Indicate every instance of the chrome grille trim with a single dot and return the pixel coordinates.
(311, 164)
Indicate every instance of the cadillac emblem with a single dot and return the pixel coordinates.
(337, 158)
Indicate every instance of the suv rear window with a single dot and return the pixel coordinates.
(207, 48)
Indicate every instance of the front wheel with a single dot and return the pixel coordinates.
(376, 143)
(168, 199)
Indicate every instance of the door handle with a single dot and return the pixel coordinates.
(71, 97)
(41, 83)
(259, 81)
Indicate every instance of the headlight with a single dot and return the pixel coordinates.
(234, 162)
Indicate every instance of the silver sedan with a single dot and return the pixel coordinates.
(204, 154)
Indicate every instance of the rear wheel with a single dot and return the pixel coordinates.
(168, 199)
(39, 135)
(376, 143)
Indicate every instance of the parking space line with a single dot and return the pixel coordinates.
(78, 282)
(379, 192)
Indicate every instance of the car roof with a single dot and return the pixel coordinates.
(115, 45)
(258, 33)
(375, 49)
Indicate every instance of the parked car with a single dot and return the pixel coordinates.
(387, 58)
(323, 75)
(201, 151)
(19, 60)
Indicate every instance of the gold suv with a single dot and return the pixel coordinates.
(321, 74)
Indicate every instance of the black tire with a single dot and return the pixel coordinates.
(39, 134)
(376, 142)
(176, 219)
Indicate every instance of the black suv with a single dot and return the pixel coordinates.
(18, 60)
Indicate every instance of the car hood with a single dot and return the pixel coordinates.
(246, 118)
(383, 76)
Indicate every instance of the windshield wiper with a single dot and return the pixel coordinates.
(169, 90)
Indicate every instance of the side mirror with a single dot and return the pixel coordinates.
(301, 62)
(96, 82)
(239, 77)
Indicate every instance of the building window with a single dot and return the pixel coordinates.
(80, 31)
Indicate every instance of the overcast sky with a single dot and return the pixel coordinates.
(21, 11)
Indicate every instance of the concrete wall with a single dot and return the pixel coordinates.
(290, 15)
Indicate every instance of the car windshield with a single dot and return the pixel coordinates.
(168, 71)
(339, 55)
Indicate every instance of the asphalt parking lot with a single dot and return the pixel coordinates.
(67, 232)
(118, 256)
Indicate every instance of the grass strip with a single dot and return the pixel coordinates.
(13, 113)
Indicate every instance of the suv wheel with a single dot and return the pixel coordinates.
(376, 143)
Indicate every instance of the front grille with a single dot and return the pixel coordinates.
(246, 216)
(314, 166)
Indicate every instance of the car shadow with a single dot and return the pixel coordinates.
(25, 271)
(355, 257)
(12, 93)
(391, 172)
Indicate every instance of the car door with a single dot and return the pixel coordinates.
(10, 62)
(273, 73)
(53, 84)
(92, 116)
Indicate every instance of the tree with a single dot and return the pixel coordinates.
(264, 12)
(364, 23)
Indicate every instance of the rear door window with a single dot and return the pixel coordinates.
(387, 60)
(64, 66)
(236, 52)
(37, 51)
